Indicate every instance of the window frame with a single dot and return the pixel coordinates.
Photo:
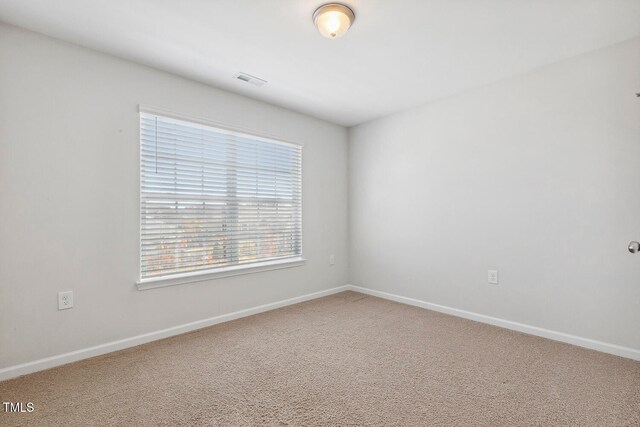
(216, 272)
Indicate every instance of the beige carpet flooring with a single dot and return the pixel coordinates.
(343, 360)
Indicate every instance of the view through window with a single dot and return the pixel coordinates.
(212, 198)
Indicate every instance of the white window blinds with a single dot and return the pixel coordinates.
(213, 198)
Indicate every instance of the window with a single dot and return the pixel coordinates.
(211, 199)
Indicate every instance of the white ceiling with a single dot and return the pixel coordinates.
(398, 54)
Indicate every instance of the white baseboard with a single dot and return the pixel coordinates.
(617, 350)
(85, 353)
(62, 359)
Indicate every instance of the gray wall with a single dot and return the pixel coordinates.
(69, 199)
(537, 176)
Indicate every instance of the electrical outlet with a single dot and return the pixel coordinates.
(65, 300)
(332, 260)
(492, 277)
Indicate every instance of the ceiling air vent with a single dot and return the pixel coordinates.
(250, 79)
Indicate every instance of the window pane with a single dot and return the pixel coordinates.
(211, 198)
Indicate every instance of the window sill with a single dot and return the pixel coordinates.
(200, 276)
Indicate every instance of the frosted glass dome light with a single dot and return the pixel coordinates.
(333, 19)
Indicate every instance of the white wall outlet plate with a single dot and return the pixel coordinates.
(492, 277)
(65, 300)
(332, 260)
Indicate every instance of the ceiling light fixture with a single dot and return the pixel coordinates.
(333, 19)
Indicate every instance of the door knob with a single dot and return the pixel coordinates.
(634, 247)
